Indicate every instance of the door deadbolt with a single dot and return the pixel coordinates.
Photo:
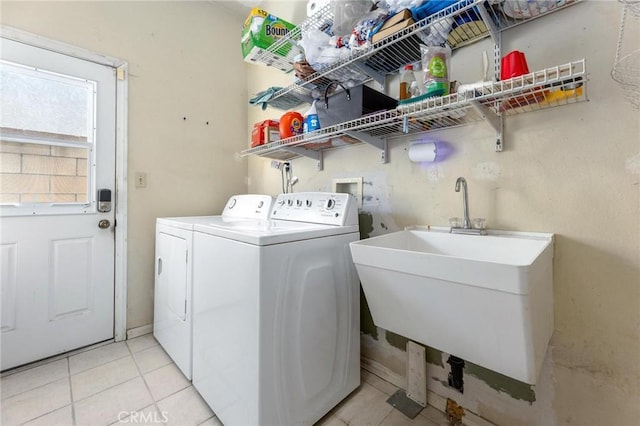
(104, 224)
(104, 200)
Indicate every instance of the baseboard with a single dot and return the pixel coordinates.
(472, 419)
(383, 372)
(436, 401)
(139, 331)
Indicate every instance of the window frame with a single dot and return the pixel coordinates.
(53, 208)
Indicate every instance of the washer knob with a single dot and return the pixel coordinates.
(299, 203)
(289, 202)
(308, 203)
(330, 204)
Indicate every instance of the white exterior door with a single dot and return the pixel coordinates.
(57, 147)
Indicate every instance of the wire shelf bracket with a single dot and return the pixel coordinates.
(377, 76)
(303, 152)
(379, 143)
(493, 119)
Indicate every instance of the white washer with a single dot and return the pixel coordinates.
(172, 319)
(276, 312)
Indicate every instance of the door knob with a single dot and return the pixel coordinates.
(104, 224)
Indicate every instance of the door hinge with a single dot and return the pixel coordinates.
(121, 74)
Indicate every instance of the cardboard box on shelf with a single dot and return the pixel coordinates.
(403, 15)
(386, 32)
(271, 133)
(264, 132)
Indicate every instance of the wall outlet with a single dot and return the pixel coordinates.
(140, 179)
(351, 186)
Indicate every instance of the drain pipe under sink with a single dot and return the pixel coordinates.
(455, 379)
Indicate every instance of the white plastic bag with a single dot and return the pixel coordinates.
(318, 50)
(395, 6)
(347, 13)
(314, 42)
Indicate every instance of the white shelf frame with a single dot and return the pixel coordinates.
(530, 92)
(375, 61)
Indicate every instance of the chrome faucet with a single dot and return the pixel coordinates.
(466, 223)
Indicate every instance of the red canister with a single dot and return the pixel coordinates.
(512, 65)
(291, 124)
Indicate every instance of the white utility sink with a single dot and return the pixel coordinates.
(486, 299)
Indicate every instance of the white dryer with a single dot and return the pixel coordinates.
(172, 316)
(276, 312)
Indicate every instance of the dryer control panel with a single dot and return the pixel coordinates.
(327, 208)
(254, 206)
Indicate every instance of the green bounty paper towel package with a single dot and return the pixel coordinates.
(262, 29)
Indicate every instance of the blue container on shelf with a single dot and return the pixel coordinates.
(430, 7)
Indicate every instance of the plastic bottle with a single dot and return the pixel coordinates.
(311, 121)
(408, 83)
(414, 89)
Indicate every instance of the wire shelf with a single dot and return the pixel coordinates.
(551, 87)
(457, 25)
(626, 67)
(633, 6)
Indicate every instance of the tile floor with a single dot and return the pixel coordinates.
(135, 382)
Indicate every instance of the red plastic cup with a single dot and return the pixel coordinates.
(513, 64)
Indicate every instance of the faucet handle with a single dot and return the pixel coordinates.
(479, 223)
(455, 222)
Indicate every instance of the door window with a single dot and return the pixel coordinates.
(47, 138)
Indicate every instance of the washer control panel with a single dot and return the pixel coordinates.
(248, 206)
(316, 207)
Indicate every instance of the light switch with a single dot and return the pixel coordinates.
(141, 180)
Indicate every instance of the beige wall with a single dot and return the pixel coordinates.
(572, 170)
(181, 65)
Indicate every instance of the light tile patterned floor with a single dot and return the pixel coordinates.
(135, 382)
